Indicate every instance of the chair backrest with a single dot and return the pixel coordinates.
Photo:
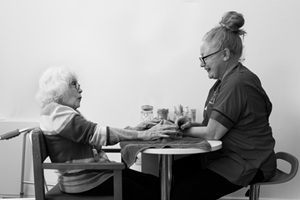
(40, 153)
(282, 176)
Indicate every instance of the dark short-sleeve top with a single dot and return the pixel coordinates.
(240, 104)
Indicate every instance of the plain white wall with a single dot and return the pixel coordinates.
(130, 53)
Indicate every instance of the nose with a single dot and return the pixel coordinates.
(202, 64)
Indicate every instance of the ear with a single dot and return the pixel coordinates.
(226, 54)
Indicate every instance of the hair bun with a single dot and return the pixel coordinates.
(233, 21)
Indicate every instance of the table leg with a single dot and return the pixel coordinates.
(166, 176)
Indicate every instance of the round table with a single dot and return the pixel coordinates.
(166, 162)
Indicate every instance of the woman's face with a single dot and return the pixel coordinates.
(212, 61)
(72, 95)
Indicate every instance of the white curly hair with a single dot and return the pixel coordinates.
(53, 83)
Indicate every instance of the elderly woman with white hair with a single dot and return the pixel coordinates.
(70, 137)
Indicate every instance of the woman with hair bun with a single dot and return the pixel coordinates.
(236, 112)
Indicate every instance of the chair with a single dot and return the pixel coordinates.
(40, 153)
(280, 176)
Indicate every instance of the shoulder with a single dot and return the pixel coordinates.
(54, 116)
(55, 108)
(239, 77)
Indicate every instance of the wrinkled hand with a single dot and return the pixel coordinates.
(144, 125)
(183, 122)
(161, 130)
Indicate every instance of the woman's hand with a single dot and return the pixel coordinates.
(183, 122)
(161, 130)
(144, 125)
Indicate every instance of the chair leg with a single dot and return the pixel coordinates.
(254, 192)
(45, 185)
(118, 193)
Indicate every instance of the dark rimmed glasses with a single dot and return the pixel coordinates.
(202, 59)
(76, 85)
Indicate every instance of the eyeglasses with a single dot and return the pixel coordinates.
(76, 85)
(202, 59)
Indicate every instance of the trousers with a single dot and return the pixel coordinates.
(136, 186)
(193, 181)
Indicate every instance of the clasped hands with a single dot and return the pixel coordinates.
(155, 129)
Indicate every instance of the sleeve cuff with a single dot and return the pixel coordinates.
(222, 119)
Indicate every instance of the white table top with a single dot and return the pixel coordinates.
(116, 146)
(215, 145)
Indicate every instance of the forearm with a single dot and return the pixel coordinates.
(158, 131)
(214, 130)
(198, 132)
(104, 136)
(196, 124)
(117, 135)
